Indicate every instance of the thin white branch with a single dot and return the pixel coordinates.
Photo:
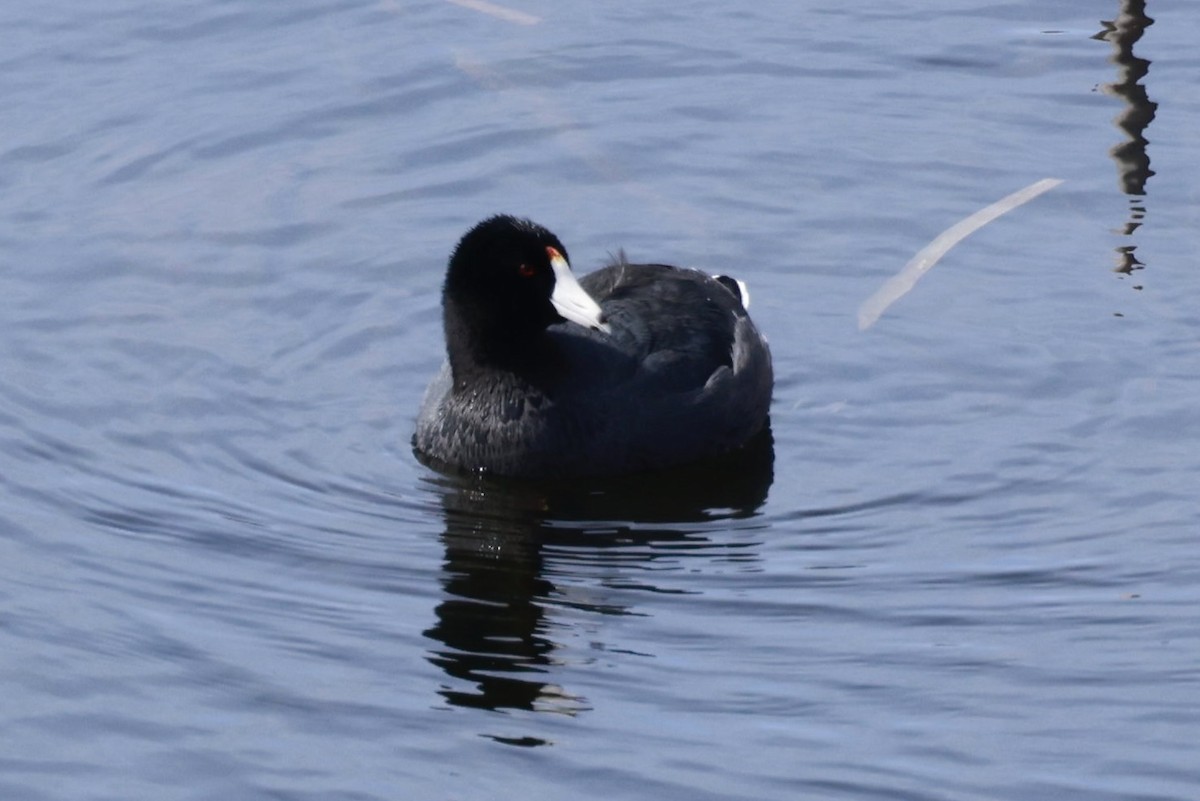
(899, 285)
(498, 11)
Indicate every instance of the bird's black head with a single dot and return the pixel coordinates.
(508, 280)
(500, 277)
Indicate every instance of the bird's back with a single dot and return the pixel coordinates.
(682, 374)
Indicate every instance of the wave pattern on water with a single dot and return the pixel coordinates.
(961, 565)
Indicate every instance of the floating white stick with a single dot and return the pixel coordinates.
(899, 285)
(498, 11)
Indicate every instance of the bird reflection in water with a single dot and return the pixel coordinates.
(510, 546)
(1133, 162)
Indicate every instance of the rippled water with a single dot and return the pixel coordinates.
(962, 566)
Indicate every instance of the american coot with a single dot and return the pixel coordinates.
(637, 366)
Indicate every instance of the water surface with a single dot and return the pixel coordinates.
(962, 565)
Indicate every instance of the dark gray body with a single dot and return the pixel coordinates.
(683, 374)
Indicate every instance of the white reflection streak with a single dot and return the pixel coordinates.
(686, 214)
(498, 11)
(899, 285)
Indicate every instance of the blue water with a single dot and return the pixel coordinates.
(963, 566)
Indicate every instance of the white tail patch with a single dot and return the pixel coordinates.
(738, 288)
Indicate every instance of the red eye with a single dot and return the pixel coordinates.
(527, 271)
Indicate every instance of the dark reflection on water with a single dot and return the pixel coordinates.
(505, 542)
(1133, 162)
